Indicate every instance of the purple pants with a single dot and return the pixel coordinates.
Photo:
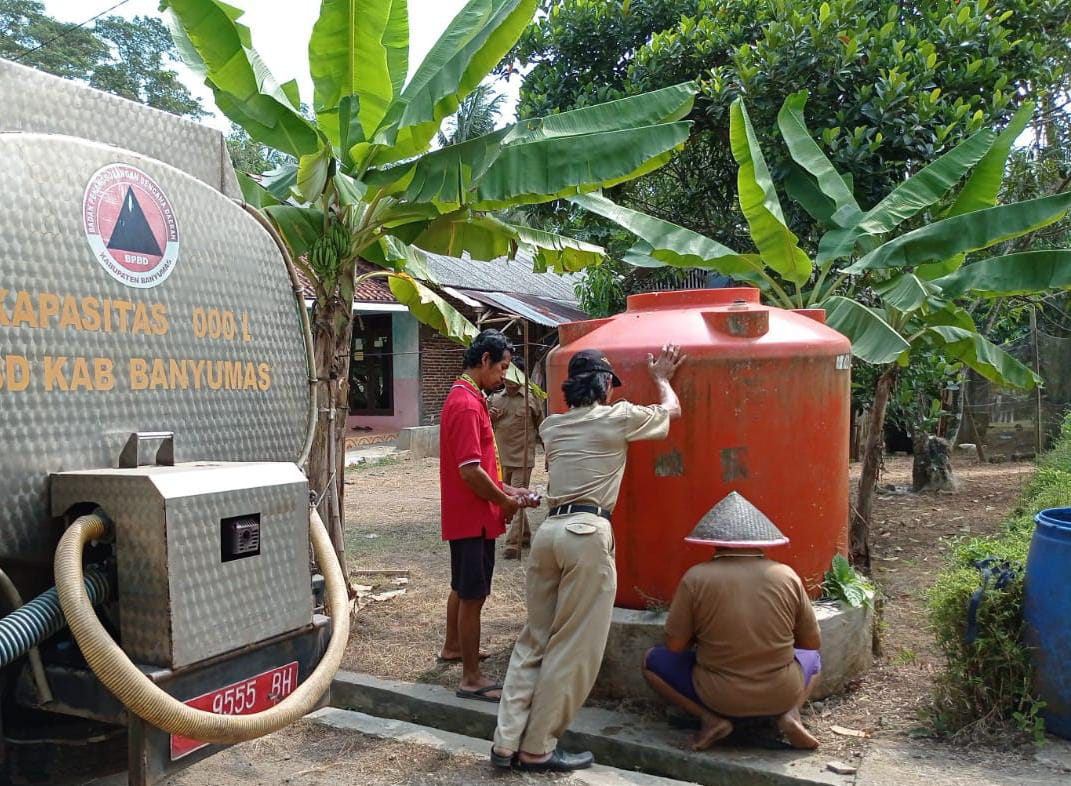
(675, 668)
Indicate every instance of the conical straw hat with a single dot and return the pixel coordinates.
(736, 523)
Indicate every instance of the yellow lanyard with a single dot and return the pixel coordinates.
(472, 383)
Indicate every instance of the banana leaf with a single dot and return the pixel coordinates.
(965, 233)
(666, 244)
(873, 339)
(486, 237)
(666, 105)
(312, 173)
(448, 176)
(926, 187)
(986, 358)
(778, 246)
(431, 309)
(361, 50)
(473, 43)
(559, 167)
(405, 258)
(254, 193)
(983, 186)
(298, 226)
(805, 152)
(906, 292)
(219, 49)
(803, 189)
(1023, 273)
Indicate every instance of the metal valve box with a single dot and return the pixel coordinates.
(211, 557)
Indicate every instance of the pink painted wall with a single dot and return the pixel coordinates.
(406, 409)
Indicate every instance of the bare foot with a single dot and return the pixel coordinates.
(792, 727)
(714, 728)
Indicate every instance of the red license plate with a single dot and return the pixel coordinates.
(241, 698)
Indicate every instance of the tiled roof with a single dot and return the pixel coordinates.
(372, 290)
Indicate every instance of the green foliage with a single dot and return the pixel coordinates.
(476, 116)
(250, 156)
(987, 686)
(843, 584)
(364, 160)
(892, 84)
(128, 57)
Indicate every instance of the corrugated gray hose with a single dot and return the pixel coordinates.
(33, 622)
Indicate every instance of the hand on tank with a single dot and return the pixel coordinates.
(667, 363)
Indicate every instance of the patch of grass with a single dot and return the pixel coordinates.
(905, 657)
(987, 688)
(364, 466)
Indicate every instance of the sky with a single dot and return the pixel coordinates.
(281, 34)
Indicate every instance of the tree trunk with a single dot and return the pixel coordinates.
(872, 454)
(332, 329)
(931, 469)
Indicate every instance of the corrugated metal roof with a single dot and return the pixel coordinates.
(503, 275)
(542, 311)
(514, 277)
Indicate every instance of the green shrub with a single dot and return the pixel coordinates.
(986, 689)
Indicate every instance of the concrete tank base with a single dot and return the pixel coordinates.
(847, 650)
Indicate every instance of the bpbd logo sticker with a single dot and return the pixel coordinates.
(130, 225)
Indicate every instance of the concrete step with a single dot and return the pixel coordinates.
(401, 731)
(629, 741)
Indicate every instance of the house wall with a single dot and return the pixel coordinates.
(440, 363)
(405, 343)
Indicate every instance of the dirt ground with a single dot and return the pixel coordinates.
(309, 755)
(392, 514)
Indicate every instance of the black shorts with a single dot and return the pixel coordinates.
(472, 563)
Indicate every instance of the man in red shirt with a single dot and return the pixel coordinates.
(475, 504)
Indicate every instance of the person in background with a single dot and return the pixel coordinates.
(572, 578)
(509, 409)
(475, 505)
(754, 630)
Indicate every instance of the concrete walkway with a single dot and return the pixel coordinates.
(448, 742)
(633, 743)
(628, 741)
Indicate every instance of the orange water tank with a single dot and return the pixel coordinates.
(765, 398)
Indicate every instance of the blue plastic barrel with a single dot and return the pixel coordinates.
(1047, 611)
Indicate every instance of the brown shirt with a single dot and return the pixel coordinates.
(587, 446)
(746, 614)
(509, 427)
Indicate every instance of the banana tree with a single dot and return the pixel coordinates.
(894, 292)
(367, 184)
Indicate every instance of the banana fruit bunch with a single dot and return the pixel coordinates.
(328, 252)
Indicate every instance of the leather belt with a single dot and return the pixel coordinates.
(577, 507)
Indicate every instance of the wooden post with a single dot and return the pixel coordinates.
(1037, 388)
(527, 393)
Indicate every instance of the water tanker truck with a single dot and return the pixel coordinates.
(156, 409)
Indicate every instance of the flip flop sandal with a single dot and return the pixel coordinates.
(480, 694)
(505, 762)
(441, 659)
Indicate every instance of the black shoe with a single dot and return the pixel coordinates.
(505, 762)
(560, 761)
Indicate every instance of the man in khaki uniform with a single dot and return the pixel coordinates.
(508, 410)
(572, 579)
(755, 633)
